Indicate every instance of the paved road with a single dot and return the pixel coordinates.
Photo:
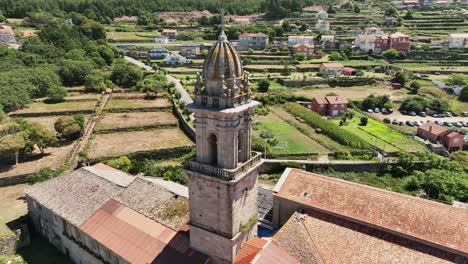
(139, 64)
(185, 96)
(405, 118)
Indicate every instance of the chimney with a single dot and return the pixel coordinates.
(430, 129)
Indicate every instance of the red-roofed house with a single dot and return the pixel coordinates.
(453, 141)
(432, 132)
(252, 41)
(331, 69)
(349, 71)
(329, 106)
(170, 33)
(307, 49)
(399, 41)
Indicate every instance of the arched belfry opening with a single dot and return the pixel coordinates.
(213, 150)
(241, 146)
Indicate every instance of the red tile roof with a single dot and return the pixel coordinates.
(316, 237)
(304, 45)
(261, 251)
(433, 129)
(320, 100)
(428, 222)
(336, 100)
(136, 238)
(454, 134)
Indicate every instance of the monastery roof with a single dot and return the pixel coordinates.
(316, 237)
(137, 238)
(428, 222)
(261, 251)
(433, 128)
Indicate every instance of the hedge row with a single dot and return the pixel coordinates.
(331, 130)
(348, 82)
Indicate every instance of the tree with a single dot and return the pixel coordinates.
(336, 56)
(80, 120)
(67, 127)
(56, 94)
(96, 82)
(415, 86)
(457, 79)
(347, 51)
(93, 30)
(73, 72)
(400, 77)
(12, 144)
(408, 15)
(299, 56)
(263, 85)
(357, 9)
(41, 136)
(126, 75)
(463, 94)
(364, 121)
(331, 9)
(391, 54)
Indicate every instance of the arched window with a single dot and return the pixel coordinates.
(213, 148)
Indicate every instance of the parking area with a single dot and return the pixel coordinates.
(400, 117)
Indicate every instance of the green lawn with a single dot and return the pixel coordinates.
(289, 139)
(65, 106)
(381, 135)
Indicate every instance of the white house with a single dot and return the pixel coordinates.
(458, 40)
(365, 42)
(161, 40)
(175, 59)
(252, 41)
(294, 40)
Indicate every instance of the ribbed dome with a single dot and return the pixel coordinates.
(222, 60)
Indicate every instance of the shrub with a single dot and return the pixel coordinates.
(364, 121)
(67, 127)
(333, 131)
(300, 56)
(373, 101)
(463, 94)
(415, 86)
(263, 85)
(122, 163)
(45, 173)
(56, 94)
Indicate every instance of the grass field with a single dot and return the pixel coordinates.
(59, 107)
(290, 140)
(380, 135)
(12, 206)
(131, 36)
(136, 103)
(355, 92)
(133, 120)
(124, 143)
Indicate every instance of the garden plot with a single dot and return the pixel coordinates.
(35, 109)
(381, 136)
(136, 104)
(49, 121)
(288, 139)
(113, 145)
(122, 121)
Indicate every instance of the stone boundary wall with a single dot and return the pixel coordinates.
(13, 180)
(151, 154)
(21, 238)
(139, 109)
(189, 130)
(131, 129)
(57, 113)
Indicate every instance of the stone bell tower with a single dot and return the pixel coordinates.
(223, 177)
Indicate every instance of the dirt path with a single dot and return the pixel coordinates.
(88, 132)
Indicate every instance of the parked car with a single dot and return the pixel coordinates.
(409, 123)
(465, 124)
(465, 114)
(370, 111)
(404, 112)
(457, 124)
(395, 121)
(435, 115)
(454, 114)
(401, 123)
(440, 123)
(387, 120)
(390, 110)
(384, 111)
(412, 113)
(423, 114)
(448, 114)
(421, 123)
(449, 124)
(376, 110)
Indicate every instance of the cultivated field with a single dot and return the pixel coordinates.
(136, 104)
(124, 143)
(135, 120)
(48, 121)
(39, 107)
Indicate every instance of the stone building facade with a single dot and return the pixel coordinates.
(223, 177)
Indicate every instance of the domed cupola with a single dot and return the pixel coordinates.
(224, 83)
(222, 60)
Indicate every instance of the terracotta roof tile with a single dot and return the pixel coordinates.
(332, 65)
(320, 100)
(336, 100)
(416, 218)
(433, 129)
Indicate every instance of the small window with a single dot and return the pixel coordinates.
(216, 102)
(203, 101)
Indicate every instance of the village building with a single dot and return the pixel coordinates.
(294, 40)
(328, 41)
(98, 214)
(190, 50)
(158, 53)
(175, 59)
(451, 140)
(330, 220)
(458, 40)
(171, 34)
(328, 105)
(7, 35)
(307, 49)
(256, 41)
(161, 40)
(349, 71)
(126, 19)
(322, 24)
(399, 41)
(240, 20)
(390, 21)
(331, 69)
(365, 42)
(373, 31)
(381, 43)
